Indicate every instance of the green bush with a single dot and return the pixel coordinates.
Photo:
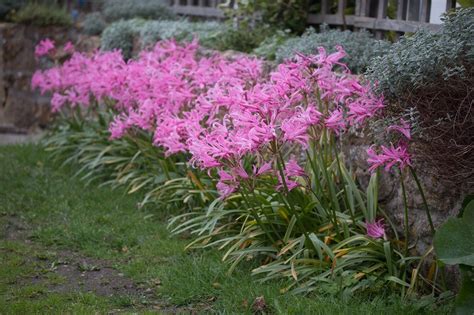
(426, 56)
(147, 9)
(244, 39)
(94, 24)
(289, 14)
(361, 47)
(42, 15)
(120, 35)
(207, 32)
(430, 74)
(268, 48)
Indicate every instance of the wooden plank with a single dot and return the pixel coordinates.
(324, 6)
(401, 10)
(413, 10)
(198, 11)
(201, 3)
(381, 14)
(450, 4)
(382, 9)
(332, 19)
(425, 11)
(392, 25)
(341, 5)
(364, 7)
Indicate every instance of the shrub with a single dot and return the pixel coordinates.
(430, 74)
(291, 15)
(213, 35)
(268, 48)
(42, 15)
(361, 47)
(147, 9)
(94, 24)
(426, 56)
(244, 39)
(120, 35)
(207, 32)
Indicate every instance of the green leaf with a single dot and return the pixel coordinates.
(453, 241)
(465, 299)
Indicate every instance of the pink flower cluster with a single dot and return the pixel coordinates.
(45, 47)
(392, 156)
(220, 110)
(293, 107)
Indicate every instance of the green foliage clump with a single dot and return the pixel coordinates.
(291, 14)
(426, 56)
(244, 39)
(268, 48)
(361, 47)
(431, 73)
(147, 9)
(94, 24)
(42, 15)
(120, 35)
(183, 30)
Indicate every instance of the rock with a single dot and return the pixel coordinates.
(444, 199)
(19, 105)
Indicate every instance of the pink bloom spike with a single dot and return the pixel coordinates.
(44, 47)
(403, 128)
(375, 229)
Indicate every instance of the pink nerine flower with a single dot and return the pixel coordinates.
(389, 157)
(69, 48)
(375, 229)
(265, 168)
(292, 170)
(403, 128)
(44, 47)
(226, 185)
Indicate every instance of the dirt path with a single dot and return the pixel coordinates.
(80, 273)
(75, 273)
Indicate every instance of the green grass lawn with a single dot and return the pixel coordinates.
(55, 213)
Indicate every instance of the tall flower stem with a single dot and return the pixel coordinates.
(423, 197)
(405, 205)
(257, 217)
(280, 165)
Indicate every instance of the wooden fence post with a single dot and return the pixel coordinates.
(381, 14)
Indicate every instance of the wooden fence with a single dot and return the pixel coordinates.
(407, 15)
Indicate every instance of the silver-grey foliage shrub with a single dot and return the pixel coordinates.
(128, 9)
(361, 47)
(153, 31)
(270, 45)
(93, 24)
(426, 56)
(120, 35)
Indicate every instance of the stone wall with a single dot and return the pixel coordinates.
(444, 199)
(20, 107)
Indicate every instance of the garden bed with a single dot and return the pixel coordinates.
(49, 218)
